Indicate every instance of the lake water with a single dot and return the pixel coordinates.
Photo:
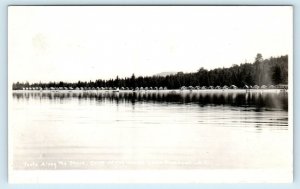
(214, 129)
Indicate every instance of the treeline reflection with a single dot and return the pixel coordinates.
(240, 99)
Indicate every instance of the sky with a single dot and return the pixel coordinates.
(71, 43)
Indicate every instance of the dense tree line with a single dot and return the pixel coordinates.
(270, 71)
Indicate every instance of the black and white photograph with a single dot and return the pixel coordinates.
(150, 94)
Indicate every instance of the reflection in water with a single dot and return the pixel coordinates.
(150, 130)
(241, 99)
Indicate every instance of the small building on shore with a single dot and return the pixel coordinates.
(233, 87)
(255, 87)
(190, 87)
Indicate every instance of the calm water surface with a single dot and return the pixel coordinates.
(150, 130)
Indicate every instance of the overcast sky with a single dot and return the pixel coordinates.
(87, 43)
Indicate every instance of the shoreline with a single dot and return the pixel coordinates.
(157, 91)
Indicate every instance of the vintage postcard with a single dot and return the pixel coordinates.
(150, 94)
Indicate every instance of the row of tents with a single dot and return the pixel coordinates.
(228, 87)
(96, 88)
(156, 88)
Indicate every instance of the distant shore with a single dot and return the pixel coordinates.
(155, 91)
